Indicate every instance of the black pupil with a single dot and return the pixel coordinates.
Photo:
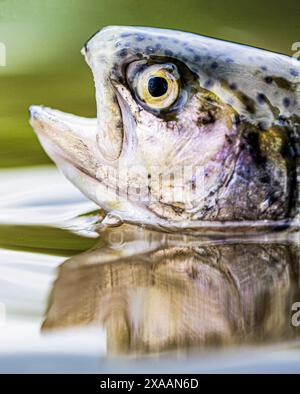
(157, 86)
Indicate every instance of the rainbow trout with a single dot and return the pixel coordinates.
(191, 132)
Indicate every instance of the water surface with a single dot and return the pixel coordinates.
(133, 300)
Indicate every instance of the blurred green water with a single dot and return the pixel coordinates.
(43, 239)
(43, 41)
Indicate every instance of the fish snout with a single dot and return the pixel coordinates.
(65, 136)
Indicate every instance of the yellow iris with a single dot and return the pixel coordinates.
(158, 87)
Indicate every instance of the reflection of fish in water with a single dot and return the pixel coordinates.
(173, 296)
(168, 103)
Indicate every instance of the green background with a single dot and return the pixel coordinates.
(43, 41)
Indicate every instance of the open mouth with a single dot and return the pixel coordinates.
(71, 142)
(65, 134)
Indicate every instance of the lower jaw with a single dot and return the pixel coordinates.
(121, 210)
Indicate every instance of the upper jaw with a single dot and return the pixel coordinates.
(70, 142)
(66, 137)
(41, 116)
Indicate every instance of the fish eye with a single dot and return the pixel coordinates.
(158, 86)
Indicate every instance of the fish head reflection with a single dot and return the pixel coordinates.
(152, 292)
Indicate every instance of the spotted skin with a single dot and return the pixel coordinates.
(220, 65)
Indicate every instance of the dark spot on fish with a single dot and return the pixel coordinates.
(229, 60)
(124, 35)
(190, 49)
(261, 98)
(208, 83)
(249, 103)
(253, 145)
(197, 58)
(139, 37)
(233, 86)
(175, 41)
(286, 102)
(268, 79)
(168, 52)
(294, 72)
(283, 83)
(214, 65)
(149, 50)
(158, 46)
(264, 68)
(123, 52)
(275, 110)
(126, 44)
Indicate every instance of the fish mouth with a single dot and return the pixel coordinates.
(63, 135)
(81, 141)
(70, 141)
